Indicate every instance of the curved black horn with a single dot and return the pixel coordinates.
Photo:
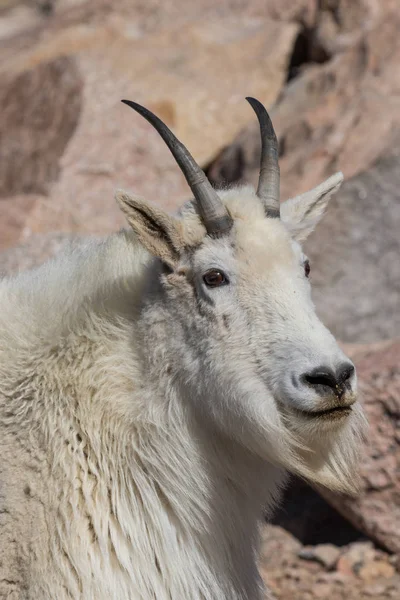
(268, 183)
(215, 216)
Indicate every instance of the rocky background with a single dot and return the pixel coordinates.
(329, 72)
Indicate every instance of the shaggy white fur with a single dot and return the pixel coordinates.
(146, 421)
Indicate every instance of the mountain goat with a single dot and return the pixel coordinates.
(155, 386)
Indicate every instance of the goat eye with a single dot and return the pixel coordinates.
(307, 268)
(215, 278)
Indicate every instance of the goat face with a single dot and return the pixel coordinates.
(244, 338)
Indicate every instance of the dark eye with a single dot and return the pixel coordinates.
(307, 268)
(215, 278)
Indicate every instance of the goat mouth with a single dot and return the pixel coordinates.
(336, 412)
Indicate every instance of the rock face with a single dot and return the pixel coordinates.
(376, 511)
(354, 256)
(80, 61)
(340, 114)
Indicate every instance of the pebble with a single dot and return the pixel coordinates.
(326, 554)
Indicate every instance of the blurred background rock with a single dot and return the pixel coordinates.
(329, 72)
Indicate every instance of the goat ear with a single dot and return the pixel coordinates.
(302, 213)
(159, 232)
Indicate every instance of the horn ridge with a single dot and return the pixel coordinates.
(269, 178)
(213, 212)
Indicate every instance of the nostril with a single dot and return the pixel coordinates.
(345, 372)
(321, 376)
(324, 377)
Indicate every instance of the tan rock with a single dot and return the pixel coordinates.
(275, 540)
(322, 590)
(377, 569)
(344, 567)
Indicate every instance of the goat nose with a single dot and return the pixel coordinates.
(323, 377)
